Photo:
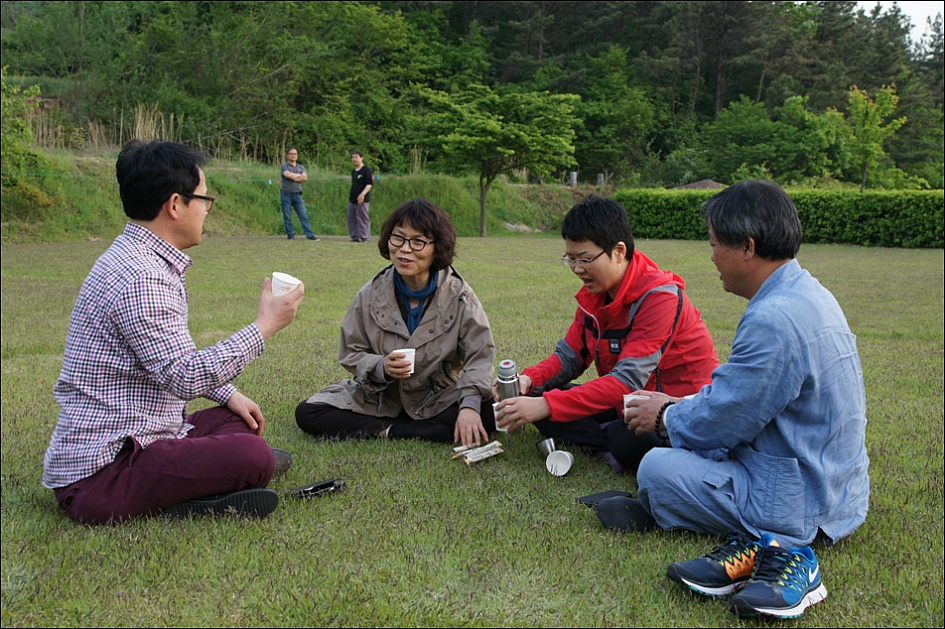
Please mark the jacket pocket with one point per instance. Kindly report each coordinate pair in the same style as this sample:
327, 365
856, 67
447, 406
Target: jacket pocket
776, 499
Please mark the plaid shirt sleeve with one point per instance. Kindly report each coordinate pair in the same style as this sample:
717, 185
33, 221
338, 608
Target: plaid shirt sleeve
152, 319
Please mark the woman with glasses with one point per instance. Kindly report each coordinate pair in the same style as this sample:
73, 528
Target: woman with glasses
418, 302
633, 321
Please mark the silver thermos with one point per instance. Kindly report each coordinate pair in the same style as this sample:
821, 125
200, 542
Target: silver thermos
508, 380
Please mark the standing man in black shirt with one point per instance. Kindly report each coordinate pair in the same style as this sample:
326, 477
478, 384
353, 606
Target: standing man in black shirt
359, 199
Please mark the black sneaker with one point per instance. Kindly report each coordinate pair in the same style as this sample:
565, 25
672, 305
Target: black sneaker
283, 461
722, 571
250, 503
625, 514
313, 238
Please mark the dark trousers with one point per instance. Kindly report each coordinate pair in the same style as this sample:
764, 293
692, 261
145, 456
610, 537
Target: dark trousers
220, 454
359, 221
328, 421
601, 433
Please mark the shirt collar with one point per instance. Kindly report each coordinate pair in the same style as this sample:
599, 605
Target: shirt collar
177, 259
782, 273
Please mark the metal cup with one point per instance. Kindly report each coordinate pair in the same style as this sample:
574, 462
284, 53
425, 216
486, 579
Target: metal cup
546, 447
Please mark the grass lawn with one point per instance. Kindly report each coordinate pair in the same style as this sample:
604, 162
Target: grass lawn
417, 538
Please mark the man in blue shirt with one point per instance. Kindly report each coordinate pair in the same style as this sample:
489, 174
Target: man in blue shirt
773, 450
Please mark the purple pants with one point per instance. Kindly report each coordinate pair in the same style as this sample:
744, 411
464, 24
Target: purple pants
359, 221
220, 454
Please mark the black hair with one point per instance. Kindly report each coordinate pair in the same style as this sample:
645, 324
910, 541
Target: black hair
755, 209
149, 173
427, 219
602, 221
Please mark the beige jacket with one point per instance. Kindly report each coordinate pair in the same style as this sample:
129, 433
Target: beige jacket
455, 351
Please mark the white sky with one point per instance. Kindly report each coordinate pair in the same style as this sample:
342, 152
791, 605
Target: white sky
917, 12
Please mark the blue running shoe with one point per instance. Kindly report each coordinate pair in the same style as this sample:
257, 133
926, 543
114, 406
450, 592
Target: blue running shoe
722, 571
784, 584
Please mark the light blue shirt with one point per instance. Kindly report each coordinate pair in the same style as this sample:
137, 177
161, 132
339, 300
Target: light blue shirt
790, 407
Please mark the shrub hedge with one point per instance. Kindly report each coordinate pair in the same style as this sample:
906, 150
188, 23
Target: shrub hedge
909, 218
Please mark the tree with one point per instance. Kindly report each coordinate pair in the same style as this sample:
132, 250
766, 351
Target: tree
495, 133
743, 136
868, 127
917, 148
813, 143
794, 145
617, 116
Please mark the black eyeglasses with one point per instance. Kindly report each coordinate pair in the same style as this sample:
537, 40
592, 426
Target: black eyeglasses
208, 201
416, 244
573, 263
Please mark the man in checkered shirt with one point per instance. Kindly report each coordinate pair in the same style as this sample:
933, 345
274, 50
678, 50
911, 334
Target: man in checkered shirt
124, 446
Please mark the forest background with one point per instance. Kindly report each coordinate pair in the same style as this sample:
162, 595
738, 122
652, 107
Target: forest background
629, 94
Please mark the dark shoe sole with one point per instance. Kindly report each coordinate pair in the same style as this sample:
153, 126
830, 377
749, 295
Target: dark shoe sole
747, 608
716, 590
250, 503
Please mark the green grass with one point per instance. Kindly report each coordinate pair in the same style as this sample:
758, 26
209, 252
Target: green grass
417, 538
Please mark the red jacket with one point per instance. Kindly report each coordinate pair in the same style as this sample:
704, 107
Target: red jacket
650, 337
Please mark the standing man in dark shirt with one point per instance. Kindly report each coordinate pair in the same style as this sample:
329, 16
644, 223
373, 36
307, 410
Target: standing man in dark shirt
359, 199
293, 175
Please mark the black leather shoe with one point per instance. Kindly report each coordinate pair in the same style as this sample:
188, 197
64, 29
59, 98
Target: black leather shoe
625, 514
248, 503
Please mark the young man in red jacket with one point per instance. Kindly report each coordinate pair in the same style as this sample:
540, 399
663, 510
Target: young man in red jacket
633, 321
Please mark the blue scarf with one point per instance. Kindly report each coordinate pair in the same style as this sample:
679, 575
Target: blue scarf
415, 314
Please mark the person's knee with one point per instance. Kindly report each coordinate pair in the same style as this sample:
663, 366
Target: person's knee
657, 467
303, 416
311, 418
259, 459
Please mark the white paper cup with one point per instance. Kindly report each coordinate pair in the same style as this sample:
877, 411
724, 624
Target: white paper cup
411, 353
559, 462
283, 283
629, 396
495, 411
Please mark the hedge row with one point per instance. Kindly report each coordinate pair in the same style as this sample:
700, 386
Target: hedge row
909, 219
